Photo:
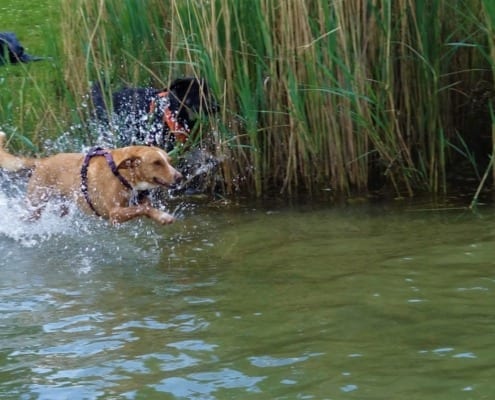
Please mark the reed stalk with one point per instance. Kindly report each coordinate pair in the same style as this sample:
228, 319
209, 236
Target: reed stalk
347, 95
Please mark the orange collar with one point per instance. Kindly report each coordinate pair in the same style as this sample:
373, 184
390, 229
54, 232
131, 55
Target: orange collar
180, 131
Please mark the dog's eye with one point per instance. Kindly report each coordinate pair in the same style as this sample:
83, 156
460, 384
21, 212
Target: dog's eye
157, 163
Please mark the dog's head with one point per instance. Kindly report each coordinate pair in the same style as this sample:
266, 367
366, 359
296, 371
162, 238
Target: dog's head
199, 168
190, 97
148, 168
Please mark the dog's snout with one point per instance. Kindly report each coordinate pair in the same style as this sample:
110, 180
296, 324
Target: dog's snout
178, 177
214, 108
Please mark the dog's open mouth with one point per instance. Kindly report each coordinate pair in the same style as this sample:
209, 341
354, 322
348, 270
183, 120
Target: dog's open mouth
163, 183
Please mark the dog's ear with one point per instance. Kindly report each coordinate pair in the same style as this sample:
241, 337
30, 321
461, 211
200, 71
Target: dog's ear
130, 163
186, 86
182, 83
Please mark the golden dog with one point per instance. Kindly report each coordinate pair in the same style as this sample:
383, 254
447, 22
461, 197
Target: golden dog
102, 182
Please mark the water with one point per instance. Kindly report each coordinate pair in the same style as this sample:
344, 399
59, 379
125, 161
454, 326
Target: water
249, 302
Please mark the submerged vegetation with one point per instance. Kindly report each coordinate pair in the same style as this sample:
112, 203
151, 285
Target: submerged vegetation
348, 96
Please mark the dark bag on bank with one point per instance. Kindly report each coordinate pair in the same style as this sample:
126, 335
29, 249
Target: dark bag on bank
11, 50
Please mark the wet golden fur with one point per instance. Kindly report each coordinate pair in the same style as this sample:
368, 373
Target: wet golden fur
59, 176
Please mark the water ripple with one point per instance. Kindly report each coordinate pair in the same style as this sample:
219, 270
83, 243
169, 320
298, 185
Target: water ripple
86, 348
204, 385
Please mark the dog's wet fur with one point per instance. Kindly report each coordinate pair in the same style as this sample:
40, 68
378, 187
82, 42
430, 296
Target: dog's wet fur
131, 115
100, 191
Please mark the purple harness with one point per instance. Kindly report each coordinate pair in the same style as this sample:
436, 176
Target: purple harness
98, 151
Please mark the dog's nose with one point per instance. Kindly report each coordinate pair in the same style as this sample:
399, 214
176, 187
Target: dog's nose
213, 107
178, 177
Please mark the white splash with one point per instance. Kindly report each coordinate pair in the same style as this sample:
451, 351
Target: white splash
15, 222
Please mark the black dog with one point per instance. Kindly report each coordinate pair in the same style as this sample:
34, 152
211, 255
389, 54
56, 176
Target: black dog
155, 117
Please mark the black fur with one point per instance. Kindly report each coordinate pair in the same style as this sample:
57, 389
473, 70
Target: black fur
130, 110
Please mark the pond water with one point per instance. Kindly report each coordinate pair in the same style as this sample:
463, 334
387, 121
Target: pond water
249, 302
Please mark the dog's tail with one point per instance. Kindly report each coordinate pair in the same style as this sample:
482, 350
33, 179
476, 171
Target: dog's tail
13, 163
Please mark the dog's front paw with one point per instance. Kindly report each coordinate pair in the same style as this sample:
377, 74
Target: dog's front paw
163, 218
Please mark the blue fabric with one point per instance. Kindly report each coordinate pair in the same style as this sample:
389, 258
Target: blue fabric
12, 51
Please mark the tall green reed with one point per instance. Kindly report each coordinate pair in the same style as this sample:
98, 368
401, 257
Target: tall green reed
341, 96
489, 20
